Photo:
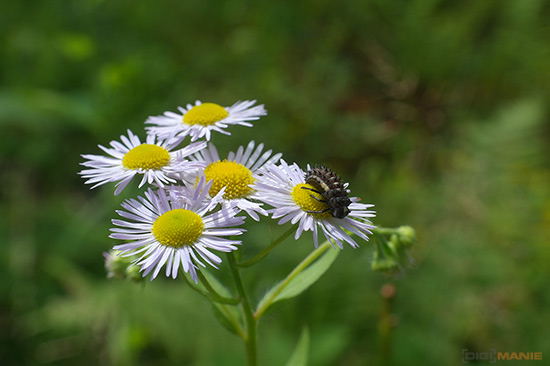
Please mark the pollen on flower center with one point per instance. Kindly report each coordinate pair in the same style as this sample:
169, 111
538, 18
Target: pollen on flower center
235, 177
178, 227
302, 197
205, 114
146, 156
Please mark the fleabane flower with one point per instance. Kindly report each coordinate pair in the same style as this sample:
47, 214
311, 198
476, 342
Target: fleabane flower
284, 188
235, 174
153, 159
176, 232
199, 120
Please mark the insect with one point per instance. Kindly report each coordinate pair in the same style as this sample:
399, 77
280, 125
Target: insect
328, 184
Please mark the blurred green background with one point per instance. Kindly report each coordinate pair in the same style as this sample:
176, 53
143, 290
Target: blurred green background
435, 111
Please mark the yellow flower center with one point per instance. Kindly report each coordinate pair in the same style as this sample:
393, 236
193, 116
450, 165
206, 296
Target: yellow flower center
205, 114
146, 156
176, 228
234, 176
302, 197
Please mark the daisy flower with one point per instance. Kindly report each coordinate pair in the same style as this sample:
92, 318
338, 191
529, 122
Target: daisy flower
283, 186
235, 174
154, 160
176, 232
200, 119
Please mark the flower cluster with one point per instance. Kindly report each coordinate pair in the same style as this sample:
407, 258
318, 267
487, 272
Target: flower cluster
197, 200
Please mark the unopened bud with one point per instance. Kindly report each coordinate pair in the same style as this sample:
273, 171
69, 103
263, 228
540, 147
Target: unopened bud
120, 267
392, 255
133, 274
385, 258
407, 236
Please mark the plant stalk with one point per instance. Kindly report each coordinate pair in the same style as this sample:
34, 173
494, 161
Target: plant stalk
250, 321
299, 268
258, 257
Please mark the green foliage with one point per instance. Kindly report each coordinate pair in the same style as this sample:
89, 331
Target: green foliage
435, 111
299, 356
301, 278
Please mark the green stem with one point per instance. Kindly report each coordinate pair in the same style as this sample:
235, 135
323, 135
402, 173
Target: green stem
303, 265
385, 323
384, 231
229, 315
210, 294
258, 257
379, 241
214, 295
250, 321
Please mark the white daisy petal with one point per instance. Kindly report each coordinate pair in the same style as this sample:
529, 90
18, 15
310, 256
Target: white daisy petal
161, 244
162, 261
169, 265
235, 175
154, 160
223, 232
199, 120
220, 244
176, 264
209, 257
280, 187
185, 259
249, 149
195, 259
315, 236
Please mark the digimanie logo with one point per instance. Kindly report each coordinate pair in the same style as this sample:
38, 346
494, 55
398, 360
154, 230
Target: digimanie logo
493, 356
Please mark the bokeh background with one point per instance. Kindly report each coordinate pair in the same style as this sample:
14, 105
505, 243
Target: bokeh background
436, 111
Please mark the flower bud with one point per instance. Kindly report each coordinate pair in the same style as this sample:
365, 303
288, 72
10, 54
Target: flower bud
407, 236
385, 257
392, 255
120, 267
386, 264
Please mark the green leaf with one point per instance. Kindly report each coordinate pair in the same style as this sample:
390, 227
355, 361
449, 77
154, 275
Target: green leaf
300, 354
229, 316
309, 276
216, 284
295, 284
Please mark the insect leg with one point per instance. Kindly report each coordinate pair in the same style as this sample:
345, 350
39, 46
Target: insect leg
322, 211
311, 189
316, 191
312, 196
